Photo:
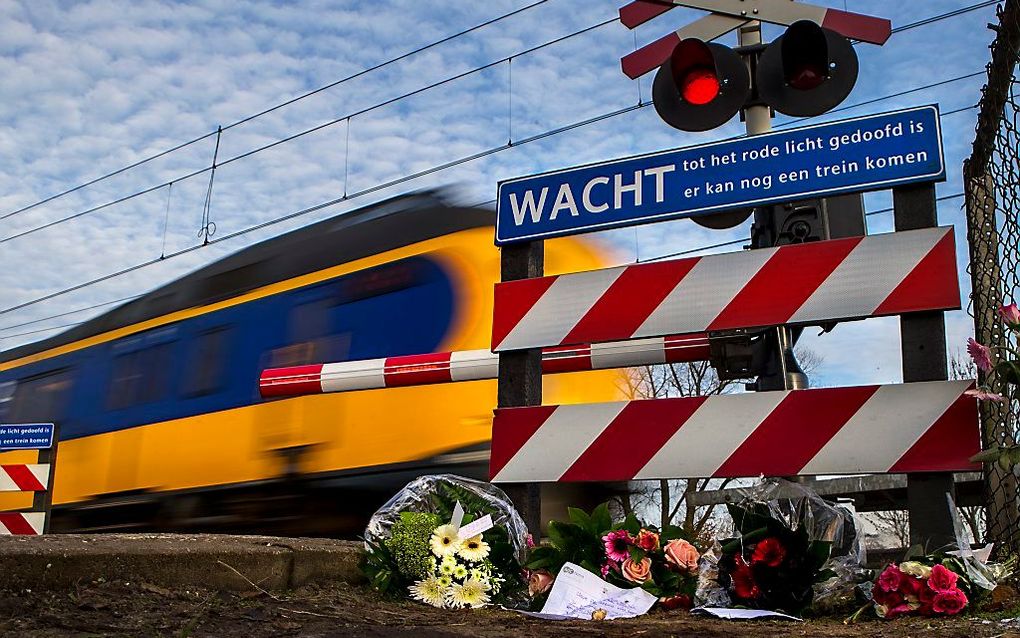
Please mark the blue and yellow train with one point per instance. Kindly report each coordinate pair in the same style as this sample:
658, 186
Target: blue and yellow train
160, 419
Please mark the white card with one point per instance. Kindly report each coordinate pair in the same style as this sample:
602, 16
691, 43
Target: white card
577, 592
458, 515
476, 527
741, 614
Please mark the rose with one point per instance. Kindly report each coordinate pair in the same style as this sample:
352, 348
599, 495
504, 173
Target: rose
949, 602
927, 599
682, 555
942, 579
769, 551
890, 578
647, 540
1011, 315
637, 571
680, 601
539, 582
911, 588
888, 599
898, 610
915, 569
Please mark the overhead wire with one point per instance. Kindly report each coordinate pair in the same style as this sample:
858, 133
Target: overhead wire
464, 160
278, 106
388, 102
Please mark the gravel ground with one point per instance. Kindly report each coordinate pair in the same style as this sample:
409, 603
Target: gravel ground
140, 609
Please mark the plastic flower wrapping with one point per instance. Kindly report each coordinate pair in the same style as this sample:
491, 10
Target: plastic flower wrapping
447, 541
791, 550
626, 553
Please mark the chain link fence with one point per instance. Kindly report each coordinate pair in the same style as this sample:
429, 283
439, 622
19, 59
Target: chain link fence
992, 183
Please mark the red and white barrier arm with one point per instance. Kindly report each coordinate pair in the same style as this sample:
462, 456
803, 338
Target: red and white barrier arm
473, 365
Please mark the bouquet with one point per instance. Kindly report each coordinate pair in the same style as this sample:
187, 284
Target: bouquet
628, 553
790, 547
928, 586
447, 541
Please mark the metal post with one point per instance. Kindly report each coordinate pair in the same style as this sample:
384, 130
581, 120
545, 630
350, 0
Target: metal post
783, 371
43, 501
923, 343
520, 373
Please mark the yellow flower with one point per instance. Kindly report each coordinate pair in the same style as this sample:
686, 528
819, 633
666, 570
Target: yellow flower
471, 594
474, 549
459, 572
444, 540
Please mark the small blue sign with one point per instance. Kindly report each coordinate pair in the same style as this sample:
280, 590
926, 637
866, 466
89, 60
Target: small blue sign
26, 436
856, 155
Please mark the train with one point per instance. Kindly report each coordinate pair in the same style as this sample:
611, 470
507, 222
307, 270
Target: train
161, 426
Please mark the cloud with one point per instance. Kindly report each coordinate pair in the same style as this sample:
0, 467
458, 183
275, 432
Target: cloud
92, 86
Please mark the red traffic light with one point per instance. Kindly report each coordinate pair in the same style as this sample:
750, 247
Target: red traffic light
700, 86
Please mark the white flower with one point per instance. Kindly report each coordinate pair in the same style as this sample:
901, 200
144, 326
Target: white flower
474, 549
444, 540
428, 591
470, 594
450, 559
459, 572
445, 581
447, 569
915, 569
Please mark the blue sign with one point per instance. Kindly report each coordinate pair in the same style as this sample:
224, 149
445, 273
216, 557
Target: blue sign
26, 436
861, 154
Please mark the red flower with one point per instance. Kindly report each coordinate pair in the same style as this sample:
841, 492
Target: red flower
890, 579
949, 602
911, 587
942, 579
648, 541
680, 601
898, 610
888, 599
769, 551
926, 597
743, 580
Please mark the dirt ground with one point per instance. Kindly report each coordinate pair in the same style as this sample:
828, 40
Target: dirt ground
139, 609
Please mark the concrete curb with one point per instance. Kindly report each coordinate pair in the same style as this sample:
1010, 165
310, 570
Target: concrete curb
210, 561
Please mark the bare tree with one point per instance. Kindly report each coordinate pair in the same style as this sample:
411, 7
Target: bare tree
669, 498
895, 523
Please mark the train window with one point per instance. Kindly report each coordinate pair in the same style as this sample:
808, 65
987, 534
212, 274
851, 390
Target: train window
140, 376
206, 363
42, 398
6, 394
311, 336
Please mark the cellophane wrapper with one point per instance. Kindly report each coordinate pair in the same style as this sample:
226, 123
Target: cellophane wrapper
795, 505
420, 494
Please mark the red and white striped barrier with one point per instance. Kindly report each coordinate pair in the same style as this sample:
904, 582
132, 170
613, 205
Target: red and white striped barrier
803, 284
913, 427
24, 478
727, 15
472, 365
22, 523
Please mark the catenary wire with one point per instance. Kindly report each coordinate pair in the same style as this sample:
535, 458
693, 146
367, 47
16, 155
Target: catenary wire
923, 22
276, 107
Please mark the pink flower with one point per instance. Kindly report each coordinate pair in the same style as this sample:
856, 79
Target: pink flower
942, 579
890, 579
981, 355
618, 544
982, 394
529, 540
898, 610
539, 582
605, 570
1011, 315
949, 602
637, 571
682, 555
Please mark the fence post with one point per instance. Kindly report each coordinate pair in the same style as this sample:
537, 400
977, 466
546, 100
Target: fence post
923, 345
520, 373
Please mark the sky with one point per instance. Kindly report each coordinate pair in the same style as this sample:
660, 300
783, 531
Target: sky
90, 87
